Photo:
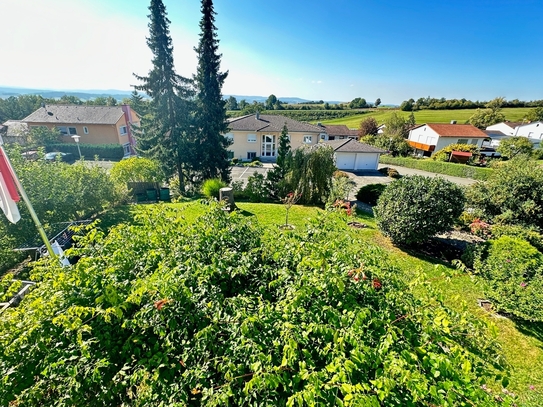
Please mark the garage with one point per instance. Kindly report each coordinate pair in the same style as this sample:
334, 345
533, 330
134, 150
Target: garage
354, 156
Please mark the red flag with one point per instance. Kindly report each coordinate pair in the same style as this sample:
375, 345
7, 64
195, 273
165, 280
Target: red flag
8, 191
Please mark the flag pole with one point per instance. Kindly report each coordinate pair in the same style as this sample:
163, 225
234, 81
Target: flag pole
28, 204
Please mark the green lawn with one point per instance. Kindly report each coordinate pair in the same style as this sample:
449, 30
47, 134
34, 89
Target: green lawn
427, 116
522, 343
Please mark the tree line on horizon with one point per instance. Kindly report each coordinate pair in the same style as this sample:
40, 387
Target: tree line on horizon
429, 103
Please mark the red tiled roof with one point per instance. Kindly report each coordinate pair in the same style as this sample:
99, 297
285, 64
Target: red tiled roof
457, 130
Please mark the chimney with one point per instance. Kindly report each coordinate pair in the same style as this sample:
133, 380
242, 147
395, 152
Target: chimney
453, 121
257, 115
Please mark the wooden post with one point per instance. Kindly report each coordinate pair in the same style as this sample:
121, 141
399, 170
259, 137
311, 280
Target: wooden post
227, 194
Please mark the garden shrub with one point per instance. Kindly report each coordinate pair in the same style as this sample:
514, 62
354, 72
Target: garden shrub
136, 169
219, 313
341, 189
413, 209
238, 188
103, 151
529, 234
513, 273
257, 188
427, 164
444, 153
59, 192
340, 174
211, 187
370, 193
512, 195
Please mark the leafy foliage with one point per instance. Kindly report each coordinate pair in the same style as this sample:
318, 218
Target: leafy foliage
136, 169
513, 271
217, 313
438, 167
482, 118
58, 192
102, 151
211, 187
276, 175
535, 115
257, 188
514, 146
444, 153
413, 209
310, 173
513, 194
369, 127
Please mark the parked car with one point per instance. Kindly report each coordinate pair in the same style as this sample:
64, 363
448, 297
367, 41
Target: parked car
65, 157
489, 153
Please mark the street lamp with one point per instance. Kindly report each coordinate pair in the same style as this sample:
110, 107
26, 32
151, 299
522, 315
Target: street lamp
76, 139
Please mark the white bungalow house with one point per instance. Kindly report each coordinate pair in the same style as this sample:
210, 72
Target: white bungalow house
429, 138
531, 130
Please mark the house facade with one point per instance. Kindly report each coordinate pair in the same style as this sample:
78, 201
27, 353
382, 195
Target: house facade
533, 131
93, 124
257, 136
429, 138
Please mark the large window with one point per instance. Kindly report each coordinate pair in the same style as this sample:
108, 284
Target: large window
308, 139
251, 155
463, 141
126, 148
67, 131
268, 146
251, 138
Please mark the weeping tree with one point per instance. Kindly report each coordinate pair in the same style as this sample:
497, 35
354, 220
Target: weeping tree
164, 132
310, 172
211, 154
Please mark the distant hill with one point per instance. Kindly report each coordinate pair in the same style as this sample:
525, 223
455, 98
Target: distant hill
86, 94
6, 92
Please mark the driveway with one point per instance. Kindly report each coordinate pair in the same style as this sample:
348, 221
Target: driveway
243, 173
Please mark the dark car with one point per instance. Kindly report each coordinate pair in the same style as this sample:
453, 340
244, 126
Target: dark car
489, 153
65, 157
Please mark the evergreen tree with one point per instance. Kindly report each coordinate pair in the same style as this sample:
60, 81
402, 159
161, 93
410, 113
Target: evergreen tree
210, 118
277, 175
137, 103
164, 131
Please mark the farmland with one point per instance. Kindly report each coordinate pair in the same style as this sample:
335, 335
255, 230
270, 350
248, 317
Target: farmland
425, 116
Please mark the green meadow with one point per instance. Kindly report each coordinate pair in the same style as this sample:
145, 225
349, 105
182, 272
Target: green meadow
426, 116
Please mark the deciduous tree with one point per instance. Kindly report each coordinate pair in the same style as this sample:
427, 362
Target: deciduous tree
368, 127
482, 118
514, 146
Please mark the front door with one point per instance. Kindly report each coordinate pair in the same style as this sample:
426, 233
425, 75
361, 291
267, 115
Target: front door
268, 146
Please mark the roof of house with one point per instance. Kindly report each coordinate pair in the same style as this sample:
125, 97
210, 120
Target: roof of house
456, 130
513, 124
495, 134
15, 128
73, 114
269, 122
338, 130
352, 146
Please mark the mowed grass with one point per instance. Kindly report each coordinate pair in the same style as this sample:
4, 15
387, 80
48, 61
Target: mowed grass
426, 116
522, 343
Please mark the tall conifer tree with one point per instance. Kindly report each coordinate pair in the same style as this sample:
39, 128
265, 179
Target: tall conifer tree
164, 130
211, 125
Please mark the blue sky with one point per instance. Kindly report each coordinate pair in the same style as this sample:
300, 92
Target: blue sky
319, 49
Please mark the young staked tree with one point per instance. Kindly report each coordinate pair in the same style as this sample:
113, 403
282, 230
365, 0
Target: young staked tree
164, 130
211, 146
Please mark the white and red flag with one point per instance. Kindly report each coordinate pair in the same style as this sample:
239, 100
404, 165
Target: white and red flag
8, 191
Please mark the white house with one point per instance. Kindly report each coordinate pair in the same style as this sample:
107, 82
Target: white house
429, 138
507, 128
532, 130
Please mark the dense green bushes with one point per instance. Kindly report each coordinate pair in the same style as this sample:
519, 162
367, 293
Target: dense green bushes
413, 209
455, 170
89, 151
59, 193
513, 273
513, 194
211, 187
218, 313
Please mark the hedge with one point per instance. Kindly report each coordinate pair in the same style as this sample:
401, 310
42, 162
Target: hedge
452, 169
103, 151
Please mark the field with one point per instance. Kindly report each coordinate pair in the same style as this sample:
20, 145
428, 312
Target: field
522, 343
426, 116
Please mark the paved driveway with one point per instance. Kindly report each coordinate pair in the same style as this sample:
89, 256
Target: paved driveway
242, 173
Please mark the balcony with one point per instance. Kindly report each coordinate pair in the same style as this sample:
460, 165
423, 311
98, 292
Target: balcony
421, 146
